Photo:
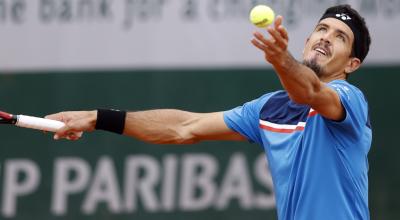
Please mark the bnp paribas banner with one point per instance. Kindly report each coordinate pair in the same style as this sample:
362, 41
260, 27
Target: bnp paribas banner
150, 187
80, 34
106, 176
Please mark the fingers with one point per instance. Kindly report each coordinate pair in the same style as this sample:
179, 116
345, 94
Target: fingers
284, 33
76, 122
280, 28
72, 130
269, 45
74, 136
278, 21
278, 40
259, 45
57, 116
259, 41
62, 132
68, 133
71, 136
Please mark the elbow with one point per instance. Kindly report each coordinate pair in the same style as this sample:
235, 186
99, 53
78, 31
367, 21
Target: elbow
179, 136
178, 141
185, 133
186, 137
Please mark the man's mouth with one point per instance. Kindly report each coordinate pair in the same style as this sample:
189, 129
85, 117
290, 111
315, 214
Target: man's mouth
322, 50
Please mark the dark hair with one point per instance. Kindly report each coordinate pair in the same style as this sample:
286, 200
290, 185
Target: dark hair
362, 39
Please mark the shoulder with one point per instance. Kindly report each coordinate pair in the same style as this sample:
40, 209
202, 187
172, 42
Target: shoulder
260, 101
346, 90
267, 96
251, 108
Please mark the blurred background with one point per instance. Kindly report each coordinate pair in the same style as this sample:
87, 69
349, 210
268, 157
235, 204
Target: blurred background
194, 55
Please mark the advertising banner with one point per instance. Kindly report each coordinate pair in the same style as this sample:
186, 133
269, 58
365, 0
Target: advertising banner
157, 34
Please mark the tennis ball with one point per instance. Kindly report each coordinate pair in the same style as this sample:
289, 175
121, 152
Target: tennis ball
262, 16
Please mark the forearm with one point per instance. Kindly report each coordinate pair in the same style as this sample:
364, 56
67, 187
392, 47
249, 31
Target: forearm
298, 80
166, 126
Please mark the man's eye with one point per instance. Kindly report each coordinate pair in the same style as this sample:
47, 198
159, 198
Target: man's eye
342, 38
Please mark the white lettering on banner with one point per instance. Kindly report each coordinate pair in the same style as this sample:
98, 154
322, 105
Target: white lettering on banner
141, 176
13, 187
198, 174
168, 188
236, 184
137, 34
262, 174
186, 183
63, 185
104, 188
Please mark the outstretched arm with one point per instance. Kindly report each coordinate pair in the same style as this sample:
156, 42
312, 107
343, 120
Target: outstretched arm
171, 126
164, 126
301, 83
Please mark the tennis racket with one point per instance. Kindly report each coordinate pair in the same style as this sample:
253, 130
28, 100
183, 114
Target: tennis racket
25, 121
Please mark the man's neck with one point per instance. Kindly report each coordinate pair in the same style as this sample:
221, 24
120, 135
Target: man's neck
331, 77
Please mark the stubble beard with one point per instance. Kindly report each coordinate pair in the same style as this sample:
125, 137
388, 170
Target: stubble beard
312, 64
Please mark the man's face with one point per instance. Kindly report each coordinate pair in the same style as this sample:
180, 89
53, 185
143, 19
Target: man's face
329, 47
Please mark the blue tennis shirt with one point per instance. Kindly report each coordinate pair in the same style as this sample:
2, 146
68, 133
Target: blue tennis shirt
319, 167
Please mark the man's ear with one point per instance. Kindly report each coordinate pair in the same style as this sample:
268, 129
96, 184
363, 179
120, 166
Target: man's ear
353, 64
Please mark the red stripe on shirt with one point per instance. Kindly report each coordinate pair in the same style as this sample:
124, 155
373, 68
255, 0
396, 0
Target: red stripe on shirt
313, 113
281, 130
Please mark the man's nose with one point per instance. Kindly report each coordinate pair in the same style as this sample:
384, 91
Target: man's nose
326, 38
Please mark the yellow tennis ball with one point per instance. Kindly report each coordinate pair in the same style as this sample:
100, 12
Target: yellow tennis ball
262, 16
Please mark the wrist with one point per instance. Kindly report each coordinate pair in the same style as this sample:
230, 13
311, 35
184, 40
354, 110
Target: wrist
92, 118
110, 120
286, 63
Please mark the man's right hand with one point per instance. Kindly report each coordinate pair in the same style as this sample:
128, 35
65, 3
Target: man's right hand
76, 122
159, 126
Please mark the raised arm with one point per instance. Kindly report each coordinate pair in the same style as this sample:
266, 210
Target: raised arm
164, 126
301, 82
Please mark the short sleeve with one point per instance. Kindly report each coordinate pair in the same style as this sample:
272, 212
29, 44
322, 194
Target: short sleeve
356, 108
245, 119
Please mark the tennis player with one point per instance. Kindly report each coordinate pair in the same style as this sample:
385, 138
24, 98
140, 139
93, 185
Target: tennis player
316, 133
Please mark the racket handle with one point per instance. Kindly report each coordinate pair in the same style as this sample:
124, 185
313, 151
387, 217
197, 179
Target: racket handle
38, 123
